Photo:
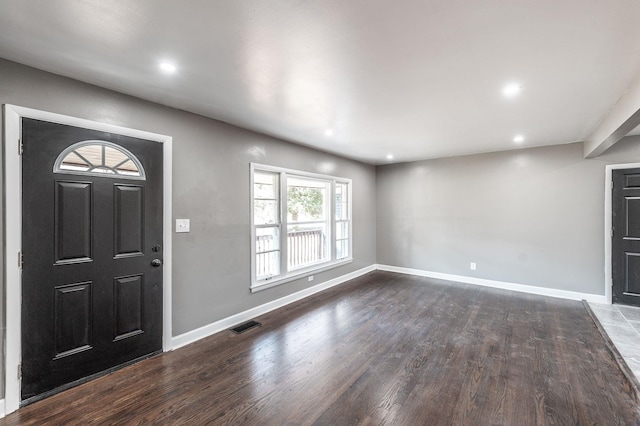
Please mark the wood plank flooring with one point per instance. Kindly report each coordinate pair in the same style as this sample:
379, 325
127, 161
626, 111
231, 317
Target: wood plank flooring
382, 349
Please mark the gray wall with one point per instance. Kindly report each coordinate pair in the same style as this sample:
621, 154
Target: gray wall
211, 187
530, 216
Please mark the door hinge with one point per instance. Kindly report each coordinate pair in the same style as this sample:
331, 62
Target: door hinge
20, 259
611, 184
20, 147
20, 371
611, 232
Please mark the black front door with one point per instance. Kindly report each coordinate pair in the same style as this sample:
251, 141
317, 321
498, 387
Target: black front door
625, 247
91, 238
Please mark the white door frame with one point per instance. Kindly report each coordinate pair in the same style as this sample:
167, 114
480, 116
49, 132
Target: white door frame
608, 224
13, 231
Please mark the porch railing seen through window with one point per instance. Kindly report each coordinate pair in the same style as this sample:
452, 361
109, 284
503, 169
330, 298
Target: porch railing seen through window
304, 248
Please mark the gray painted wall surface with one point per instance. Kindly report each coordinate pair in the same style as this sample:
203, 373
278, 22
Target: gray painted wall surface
530, 216
211, 187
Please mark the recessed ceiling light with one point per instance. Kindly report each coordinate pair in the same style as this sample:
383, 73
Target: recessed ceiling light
518, 138
328, 132
511, 90
389, 157
168, 67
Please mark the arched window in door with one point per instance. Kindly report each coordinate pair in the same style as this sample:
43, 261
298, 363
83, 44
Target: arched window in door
102, 158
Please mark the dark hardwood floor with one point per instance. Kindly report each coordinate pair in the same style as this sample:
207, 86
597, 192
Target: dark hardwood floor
382, 349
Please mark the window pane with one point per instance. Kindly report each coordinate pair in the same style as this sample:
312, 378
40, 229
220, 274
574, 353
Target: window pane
342, 230
342, 201
93, 153
113, 157
267, 239
267, 265
342, 249
267, 252
104, 158
306, 199
73, 162
265, 186
128, 168
307, 244
265, 212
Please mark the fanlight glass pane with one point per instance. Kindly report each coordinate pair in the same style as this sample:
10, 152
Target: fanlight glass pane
99, 157
92, 153
74, 162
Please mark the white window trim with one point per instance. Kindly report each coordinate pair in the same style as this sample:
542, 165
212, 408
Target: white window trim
286, 275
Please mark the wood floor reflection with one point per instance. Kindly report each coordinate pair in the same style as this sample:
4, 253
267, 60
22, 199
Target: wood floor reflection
382, 349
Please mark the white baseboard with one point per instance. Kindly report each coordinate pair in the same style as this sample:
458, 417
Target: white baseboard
225, 323
543, 291
3, 411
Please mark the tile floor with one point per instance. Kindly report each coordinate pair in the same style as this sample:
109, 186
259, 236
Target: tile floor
622, 324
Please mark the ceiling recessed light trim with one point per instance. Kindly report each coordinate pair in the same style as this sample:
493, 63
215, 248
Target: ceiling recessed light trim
518, 138
167, 67
328, 133
512, 90
389, 156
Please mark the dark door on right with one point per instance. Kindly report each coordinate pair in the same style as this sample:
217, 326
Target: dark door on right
625, 253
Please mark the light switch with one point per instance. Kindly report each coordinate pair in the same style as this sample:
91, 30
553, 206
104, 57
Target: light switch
182, 225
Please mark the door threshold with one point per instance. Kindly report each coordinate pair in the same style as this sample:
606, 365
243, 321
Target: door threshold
84, 380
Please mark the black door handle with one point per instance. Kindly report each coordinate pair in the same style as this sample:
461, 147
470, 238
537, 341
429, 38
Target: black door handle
156, 262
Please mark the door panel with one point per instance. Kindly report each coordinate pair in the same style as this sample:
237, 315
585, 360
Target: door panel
72, 319
73, 221
626, 236
129, 305
128, 219
91, 299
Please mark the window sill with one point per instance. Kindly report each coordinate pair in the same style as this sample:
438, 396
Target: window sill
296, 275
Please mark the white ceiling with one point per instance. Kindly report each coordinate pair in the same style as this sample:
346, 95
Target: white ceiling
414, 78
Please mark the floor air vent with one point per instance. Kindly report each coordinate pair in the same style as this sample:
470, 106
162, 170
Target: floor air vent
245, 326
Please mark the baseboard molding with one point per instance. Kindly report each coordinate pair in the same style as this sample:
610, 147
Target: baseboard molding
226, 323
3, 411
543, 291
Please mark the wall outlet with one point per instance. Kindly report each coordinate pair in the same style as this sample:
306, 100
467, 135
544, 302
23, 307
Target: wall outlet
310, 278
473, 266
182, 225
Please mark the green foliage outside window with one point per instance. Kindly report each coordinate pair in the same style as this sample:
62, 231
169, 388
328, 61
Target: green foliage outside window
308, 202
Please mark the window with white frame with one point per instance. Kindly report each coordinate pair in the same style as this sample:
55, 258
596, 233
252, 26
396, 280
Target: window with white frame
301, 222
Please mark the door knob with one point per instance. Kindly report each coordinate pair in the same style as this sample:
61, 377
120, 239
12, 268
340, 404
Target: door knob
156, 262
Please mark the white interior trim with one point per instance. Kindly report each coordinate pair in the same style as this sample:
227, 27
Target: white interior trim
13, 231
228, 322
522, 288
608, 274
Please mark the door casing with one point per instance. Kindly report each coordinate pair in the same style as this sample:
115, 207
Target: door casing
13, 230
